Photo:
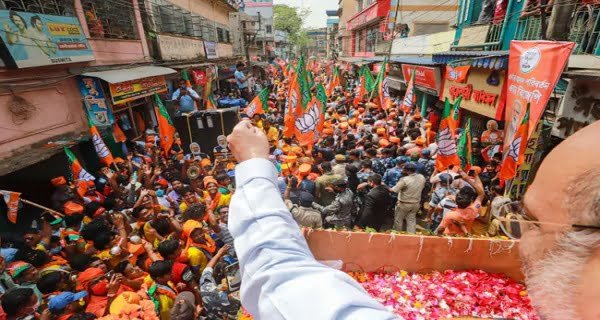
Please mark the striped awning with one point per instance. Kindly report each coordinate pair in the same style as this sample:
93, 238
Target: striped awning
495, 60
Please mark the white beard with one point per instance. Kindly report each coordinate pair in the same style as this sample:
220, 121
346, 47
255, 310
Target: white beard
553, 282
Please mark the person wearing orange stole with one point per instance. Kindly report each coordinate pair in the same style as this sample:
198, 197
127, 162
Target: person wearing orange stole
212, 196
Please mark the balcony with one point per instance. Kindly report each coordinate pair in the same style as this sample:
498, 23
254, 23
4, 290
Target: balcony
520, 24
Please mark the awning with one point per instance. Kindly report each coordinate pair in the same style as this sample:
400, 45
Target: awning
482, 59
356, 60
191, 65
586, 74
122, 75
423, 61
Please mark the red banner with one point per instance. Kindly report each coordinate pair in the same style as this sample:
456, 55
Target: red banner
199, 77
424, 76
534, 68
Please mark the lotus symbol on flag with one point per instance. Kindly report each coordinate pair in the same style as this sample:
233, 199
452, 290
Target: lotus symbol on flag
513, 151
85, 176
446, 144
308, 121
100, 147
408, 99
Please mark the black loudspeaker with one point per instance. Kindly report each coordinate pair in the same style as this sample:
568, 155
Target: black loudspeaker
204, 127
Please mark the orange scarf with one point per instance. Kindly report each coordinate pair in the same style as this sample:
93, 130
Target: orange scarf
214, 203
210, 246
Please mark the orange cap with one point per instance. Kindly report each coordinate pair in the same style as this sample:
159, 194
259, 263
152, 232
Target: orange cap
327, 131
290, 158
59, 181
394, 140
384, 143
352, 121
420, 141
361, 109
297, 150
477, 169
417, 116
304, 169
380, 130
204, 162
344, 126
427, 125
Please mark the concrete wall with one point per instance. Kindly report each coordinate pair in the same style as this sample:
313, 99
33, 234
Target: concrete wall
226, 50
206, 8
427, 16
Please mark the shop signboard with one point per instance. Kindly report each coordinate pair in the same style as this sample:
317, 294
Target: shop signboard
179, 48
534, 68
425, 77
94, 101
211, 49
375, 10
481, 91
131, 90
33, 39
579, 107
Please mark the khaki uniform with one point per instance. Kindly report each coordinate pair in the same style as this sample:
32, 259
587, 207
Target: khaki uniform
409, 190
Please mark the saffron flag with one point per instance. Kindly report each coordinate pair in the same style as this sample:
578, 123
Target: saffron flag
516, 149
384, 96
79, 173
101, 149
211, 104
185, 76
166, 130
335, 81
118, 134
12, 204
464, 150
410, 98
307, 123
361, 88
445, 140
258, 105
292, 100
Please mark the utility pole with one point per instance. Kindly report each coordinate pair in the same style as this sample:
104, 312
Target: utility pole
560, 20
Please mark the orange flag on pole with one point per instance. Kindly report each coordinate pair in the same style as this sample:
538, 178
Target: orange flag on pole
293, 101
79, 173
516, 150
101, 149
447, 155
12, 204
259, 104
410, 98
166, 130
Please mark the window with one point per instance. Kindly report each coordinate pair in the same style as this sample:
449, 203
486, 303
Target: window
259, 43
220, 35
108, 19
371, 39
269, 29
227, 36
52, 7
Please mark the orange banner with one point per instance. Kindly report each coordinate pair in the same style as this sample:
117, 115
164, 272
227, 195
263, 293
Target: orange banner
534, 68
457, 74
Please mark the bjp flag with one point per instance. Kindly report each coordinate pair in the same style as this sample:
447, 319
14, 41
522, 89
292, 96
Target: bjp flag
101, 150
211, 104
78, 172
447, 155
464, 150
516, 150
293, 100
258, 105
12, 204
410, 98
166, 130
335, 81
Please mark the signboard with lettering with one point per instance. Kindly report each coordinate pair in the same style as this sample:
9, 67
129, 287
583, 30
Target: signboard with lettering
130, 90
179, 48
94, 101
32, 40
481, 92
211, 49
375, 10
425, 77
579, 107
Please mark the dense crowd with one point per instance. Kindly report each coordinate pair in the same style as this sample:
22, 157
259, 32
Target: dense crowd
148, 240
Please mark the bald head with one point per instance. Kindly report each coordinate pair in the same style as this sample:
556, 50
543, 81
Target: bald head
567, 184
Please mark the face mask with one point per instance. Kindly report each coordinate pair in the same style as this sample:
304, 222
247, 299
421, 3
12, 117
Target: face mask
100, 289
160, 192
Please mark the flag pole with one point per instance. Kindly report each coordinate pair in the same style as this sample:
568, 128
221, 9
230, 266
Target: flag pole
31, 203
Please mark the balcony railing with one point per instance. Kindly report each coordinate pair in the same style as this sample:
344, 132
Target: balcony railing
585, 27
529, 28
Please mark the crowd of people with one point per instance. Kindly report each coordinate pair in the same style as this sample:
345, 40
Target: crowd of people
147, 240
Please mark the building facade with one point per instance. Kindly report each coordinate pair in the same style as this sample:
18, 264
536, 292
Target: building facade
333, 22
262, 10
317, 42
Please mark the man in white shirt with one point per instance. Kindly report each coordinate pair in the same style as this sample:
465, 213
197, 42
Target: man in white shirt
280, 276
186, 98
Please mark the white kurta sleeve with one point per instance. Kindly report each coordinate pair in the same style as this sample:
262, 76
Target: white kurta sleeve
280, 277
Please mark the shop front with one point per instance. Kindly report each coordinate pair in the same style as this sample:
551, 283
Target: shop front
427, 83
126, 97
482, 92
365, 27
